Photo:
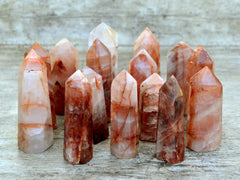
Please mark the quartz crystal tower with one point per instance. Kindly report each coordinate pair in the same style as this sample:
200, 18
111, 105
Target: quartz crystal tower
64, 62
124, 116
99, 116
35, 131
195, 63
204, 124
78, 130
176, 65
102, 57
99, 59
170, 131
46, 58
141, 67
149, 93
147, 41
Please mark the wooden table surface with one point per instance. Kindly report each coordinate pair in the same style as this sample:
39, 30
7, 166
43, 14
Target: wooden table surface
215, 26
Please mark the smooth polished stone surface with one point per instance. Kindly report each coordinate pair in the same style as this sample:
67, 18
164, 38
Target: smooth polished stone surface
99, 59
35, 131
176, 65
46, 58
124, 116
64, 62
170, 132
147, 41
78, 129
204, 124
99, 116
148, 107
141, 67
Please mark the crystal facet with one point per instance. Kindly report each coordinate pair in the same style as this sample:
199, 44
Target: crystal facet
46, 58
141, 67
204, 124
108, 37
176, 65
99, 117
78, 129
99, 59
124, 116
195, 63
170, 131
64, 62
147, 41
149, 93
35, 131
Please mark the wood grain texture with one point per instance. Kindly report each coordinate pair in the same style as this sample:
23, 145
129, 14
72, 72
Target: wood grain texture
212, 24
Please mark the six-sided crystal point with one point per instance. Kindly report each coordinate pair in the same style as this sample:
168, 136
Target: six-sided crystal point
99, 116
99, 59
64, 62
204, 124
35, 131
46, 58
170, 131
141, 67
176, 65
124, 116
147, 41
148, 107
108, 37
78, 130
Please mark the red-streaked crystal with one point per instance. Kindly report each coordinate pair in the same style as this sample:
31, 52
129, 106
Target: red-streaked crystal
64, 62
78, 129
35, 131
149, 96
147, 41
204, 124
176, 65
170, 132
124, 116
99, 116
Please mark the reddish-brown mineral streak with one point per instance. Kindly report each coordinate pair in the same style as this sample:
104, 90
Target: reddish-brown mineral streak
64, 62
99, 59
78, 130
147, 41
195, 63
99, 116
204, 124
124, 116
149, 92
46, 58
176, 65
141, 67
170, 132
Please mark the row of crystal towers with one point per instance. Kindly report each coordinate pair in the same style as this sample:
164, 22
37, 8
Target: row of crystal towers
102, 57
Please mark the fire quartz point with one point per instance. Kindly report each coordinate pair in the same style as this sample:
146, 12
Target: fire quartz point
46, 58
78, 130
99, 116
109, 38
124, 116
147, 41
99, 59
35, 131
204, 124
176, 65
149, 93
170, 131
141, 67
64, 62
198, 60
